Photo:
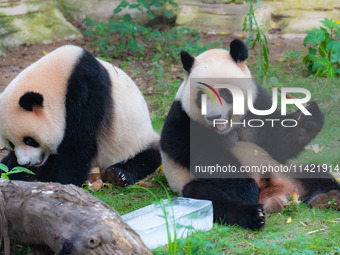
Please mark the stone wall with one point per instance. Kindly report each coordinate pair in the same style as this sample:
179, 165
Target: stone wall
287, 16
30, 21
33, 21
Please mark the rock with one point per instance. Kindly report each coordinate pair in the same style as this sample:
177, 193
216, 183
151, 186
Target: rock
210, 16
299, 16
33, 21
100, 10
289, 16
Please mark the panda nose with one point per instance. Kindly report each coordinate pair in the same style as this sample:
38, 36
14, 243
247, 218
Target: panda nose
212, 118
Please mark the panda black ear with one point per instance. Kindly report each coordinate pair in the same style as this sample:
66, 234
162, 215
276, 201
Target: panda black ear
238, 50
30, 99
187, 61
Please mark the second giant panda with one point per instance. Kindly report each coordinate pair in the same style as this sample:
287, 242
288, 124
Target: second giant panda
235, 200
69, 112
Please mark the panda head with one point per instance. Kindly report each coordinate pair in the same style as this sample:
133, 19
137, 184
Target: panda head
226, 67
32, 107
26, 144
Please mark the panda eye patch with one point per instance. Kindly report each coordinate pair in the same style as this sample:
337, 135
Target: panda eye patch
31, 142
226, 95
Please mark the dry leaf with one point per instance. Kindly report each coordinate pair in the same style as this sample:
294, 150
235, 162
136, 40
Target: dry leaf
160, 169
314, 147
289, 220
295, 197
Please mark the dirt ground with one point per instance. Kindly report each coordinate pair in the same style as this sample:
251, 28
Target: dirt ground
18, 58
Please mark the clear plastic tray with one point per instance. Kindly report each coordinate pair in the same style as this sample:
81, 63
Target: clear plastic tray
188, 214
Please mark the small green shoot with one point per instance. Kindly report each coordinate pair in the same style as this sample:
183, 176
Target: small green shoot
292, 207
5, 172
333, 203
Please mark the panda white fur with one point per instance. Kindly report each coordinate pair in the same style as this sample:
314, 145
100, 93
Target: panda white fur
235, 200
69, 112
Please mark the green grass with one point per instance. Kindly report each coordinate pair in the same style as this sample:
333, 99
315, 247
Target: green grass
128, 199
277, 238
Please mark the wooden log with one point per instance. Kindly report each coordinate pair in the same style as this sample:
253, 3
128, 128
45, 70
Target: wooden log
63, 219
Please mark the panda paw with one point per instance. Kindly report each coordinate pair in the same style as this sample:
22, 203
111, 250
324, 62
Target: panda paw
250, 216
310, 125
253, 217
117, 176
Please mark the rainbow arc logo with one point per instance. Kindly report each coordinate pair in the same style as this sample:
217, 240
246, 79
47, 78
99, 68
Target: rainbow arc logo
209, 93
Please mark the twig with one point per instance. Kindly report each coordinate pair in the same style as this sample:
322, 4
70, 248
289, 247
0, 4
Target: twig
321, 229
303, 223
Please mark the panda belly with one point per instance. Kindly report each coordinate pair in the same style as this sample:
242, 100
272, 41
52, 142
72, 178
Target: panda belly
129, 130
128, 138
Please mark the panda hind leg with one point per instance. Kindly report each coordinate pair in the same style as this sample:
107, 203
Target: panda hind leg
331, 199
134, 169
226, 209
321, 192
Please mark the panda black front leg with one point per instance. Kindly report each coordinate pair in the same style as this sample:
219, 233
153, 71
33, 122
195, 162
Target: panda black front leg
309, 125
10, 160
286, 142
227, 210
66, 168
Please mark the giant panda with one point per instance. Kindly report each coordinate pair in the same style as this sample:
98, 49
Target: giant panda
69, 112
235, 200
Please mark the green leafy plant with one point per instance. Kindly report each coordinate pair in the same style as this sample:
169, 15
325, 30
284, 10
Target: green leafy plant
5, 172
145, 6
257, 38
323, 58
333, 203
101, 34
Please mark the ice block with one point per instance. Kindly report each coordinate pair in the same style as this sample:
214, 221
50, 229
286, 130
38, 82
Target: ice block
188, 215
